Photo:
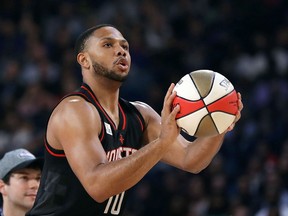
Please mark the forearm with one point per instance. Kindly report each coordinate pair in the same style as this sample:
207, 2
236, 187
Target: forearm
114, 177
200, 153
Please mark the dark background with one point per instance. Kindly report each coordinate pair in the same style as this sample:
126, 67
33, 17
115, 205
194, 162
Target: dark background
246, 41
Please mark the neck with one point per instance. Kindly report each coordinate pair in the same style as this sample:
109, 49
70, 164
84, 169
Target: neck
106, 91
108, 96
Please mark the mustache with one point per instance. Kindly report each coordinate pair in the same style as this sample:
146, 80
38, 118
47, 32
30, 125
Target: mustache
121, 58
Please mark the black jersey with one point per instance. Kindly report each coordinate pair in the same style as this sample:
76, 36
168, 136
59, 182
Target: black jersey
60, 191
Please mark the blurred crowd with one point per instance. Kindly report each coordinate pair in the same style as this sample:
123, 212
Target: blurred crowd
246, 41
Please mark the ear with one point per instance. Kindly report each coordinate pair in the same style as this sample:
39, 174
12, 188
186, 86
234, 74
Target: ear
83, 60
2, 187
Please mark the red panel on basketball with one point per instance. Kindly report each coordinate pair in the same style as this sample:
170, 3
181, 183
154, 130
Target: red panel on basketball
208, 103
227, 104
188, 106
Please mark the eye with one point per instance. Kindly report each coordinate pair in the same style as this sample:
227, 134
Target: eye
108, 45
24, 178
126, 47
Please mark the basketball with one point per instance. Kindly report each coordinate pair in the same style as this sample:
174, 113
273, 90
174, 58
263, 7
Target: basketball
208, 103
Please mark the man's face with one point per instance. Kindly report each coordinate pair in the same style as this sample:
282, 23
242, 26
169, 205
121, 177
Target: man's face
22, 188
109, 54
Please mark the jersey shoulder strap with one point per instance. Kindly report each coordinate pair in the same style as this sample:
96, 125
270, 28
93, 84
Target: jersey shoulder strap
136, 112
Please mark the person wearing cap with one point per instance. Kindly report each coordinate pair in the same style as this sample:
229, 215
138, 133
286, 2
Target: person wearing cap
20, 173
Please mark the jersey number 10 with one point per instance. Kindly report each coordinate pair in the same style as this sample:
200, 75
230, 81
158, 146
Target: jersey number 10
114, 204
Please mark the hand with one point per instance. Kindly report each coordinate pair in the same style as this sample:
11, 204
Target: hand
169, 127
238, 114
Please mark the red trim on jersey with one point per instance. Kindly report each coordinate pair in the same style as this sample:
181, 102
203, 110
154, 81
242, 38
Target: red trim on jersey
124, 117
102, 132
99, 105
51, 152
142, 126
102, 129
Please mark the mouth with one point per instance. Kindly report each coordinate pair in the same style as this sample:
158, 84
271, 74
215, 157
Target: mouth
31, 195
122, 63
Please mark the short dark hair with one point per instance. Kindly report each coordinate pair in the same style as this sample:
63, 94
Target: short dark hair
81, 40
6, 179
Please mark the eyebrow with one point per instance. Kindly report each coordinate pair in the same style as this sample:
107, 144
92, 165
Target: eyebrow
24, 172
110, 38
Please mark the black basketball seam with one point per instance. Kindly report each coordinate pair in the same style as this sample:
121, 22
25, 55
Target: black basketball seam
213, 122
208, 114
200, 123
218, 100
205, 106
224, 112
191, 101
190, 113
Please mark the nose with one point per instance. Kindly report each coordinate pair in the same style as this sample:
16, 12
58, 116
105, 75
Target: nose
121, 51
34, 183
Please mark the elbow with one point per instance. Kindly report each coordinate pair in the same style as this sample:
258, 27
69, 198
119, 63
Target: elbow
200, 168
197, 171
99, 199
196, 168
99, 194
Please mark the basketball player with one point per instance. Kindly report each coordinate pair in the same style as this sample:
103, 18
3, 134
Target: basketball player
99, 145
20, 173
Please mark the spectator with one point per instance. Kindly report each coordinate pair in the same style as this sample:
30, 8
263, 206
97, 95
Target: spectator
20, 173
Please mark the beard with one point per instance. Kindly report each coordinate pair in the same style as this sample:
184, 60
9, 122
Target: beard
110, 74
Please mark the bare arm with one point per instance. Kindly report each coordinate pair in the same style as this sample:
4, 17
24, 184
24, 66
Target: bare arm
189, 156
75, 125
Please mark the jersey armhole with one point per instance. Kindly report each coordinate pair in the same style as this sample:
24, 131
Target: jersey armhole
52, 151
137, 113
61, 153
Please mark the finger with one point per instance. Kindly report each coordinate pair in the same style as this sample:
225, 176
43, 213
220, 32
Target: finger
169, 91
239, 95
166, 109
175, 110
169, 99
238, 114
231, 127
240, 104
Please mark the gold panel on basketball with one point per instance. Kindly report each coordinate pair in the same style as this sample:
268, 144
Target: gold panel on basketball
208, 103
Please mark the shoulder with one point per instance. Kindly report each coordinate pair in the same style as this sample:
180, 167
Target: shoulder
144, 108
73, 109
74, 105
141, 105
148, 113
152, 121
73, 117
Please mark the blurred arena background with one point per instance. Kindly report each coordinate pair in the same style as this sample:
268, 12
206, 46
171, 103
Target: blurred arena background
247, 41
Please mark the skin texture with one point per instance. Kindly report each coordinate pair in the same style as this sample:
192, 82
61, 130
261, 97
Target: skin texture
20, 193
105, 63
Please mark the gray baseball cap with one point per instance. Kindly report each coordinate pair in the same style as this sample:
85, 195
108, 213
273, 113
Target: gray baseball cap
18, 159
